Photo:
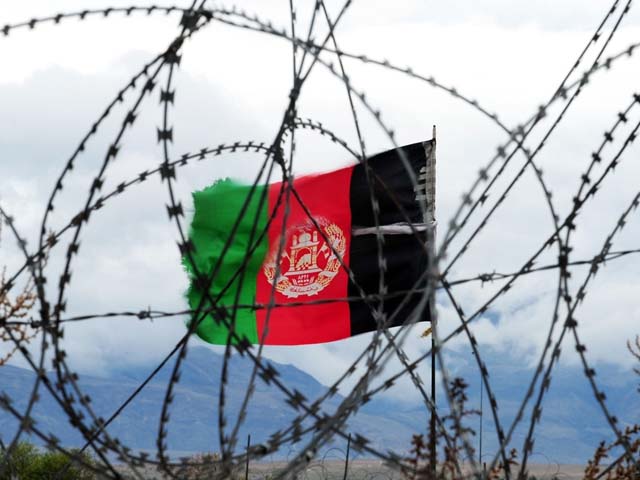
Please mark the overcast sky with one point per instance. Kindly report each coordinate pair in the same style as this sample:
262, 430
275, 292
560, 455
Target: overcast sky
232, 85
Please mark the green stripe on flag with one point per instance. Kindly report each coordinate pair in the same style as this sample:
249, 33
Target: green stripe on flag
216, 210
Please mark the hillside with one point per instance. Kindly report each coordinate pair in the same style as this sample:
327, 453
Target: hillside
571, 426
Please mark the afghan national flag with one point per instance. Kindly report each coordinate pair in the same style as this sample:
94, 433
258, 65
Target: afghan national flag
329, 254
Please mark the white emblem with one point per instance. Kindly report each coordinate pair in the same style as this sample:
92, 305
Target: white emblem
307, 264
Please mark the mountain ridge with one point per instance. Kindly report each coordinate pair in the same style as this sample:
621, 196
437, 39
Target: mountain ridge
571, 426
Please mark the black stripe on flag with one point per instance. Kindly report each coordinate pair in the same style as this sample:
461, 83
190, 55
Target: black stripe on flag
404, 254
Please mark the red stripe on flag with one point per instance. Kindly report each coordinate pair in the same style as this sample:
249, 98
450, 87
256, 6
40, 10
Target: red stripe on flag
309, 268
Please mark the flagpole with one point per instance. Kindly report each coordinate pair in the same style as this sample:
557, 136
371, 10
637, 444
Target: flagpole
430, 191
431, 198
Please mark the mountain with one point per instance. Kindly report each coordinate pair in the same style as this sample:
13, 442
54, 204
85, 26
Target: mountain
569, 432
572, 423
194, 418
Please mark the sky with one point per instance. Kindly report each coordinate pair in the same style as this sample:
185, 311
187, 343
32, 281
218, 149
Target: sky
233, 85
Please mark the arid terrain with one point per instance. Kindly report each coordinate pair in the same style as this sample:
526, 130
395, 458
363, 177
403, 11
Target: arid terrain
376, 470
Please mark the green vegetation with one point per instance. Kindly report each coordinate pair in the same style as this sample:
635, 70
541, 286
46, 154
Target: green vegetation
26, 462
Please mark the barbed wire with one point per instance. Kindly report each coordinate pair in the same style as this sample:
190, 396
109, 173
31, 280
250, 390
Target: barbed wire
315, 422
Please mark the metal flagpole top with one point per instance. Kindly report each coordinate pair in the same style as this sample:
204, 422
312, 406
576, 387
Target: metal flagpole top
430, 180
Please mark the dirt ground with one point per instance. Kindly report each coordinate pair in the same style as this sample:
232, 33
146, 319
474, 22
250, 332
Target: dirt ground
376, 470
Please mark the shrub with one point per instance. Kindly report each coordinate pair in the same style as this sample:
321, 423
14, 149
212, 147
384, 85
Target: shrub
26, 462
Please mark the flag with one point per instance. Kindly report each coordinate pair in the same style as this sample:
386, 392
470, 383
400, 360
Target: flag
303, 281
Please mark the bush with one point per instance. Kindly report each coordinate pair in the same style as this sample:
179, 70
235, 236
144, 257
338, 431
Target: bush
28, 463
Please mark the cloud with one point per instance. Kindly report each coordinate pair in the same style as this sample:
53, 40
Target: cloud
233, 86
544, 15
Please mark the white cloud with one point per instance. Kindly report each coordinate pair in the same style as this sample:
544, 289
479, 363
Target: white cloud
233, 85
